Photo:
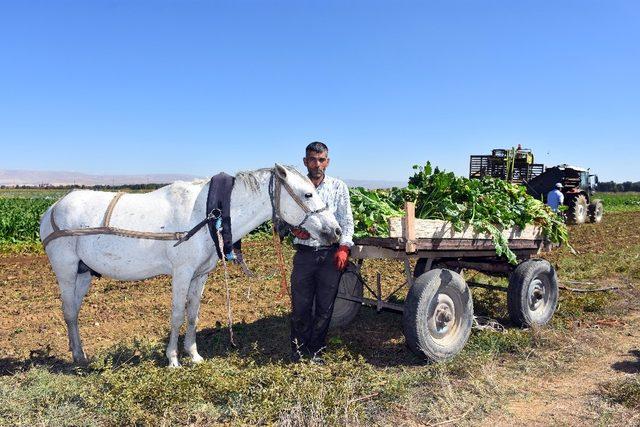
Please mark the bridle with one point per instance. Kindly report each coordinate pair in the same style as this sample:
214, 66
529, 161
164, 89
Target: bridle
276, 183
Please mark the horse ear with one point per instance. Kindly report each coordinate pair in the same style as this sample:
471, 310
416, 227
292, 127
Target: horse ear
280, 171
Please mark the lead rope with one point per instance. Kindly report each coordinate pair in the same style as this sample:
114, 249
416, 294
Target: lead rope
284, 288
226, 283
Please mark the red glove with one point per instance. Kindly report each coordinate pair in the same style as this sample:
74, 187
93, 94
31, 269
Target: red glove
341, 257
300, 233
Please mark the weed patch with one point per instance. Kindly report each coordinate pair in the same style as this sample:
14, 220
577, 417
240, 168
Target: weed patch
625, 392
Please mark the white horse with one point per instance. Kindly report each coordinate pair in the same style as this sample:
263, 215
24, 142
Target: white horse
173, 208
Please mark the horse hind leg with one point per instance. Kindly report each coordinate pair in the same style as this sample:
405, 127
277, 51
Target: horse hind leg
180, 281
73, 288
193, 307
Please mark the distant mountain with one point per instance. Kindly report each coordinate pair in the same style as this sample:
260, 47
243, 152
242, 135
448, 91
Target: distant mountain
22, 177
34, 178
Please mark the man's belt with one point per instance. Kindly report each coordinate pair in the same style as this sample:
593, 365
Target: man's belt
307, 248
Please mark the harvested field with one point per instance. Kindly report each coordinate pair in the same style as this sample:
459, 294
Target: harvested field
371, 375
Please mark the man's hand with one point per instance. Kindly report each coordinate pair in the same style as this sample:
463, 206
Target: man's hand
341, 257
300, 233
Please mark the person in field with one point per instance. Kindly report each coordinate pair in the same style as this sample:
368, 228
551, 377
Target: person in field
317, 269
555, 198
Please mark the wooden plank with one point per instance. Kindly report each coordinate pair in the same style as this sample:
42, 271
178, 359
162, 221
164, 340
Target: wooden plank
444, 244
433, 228
408, 229
470, 244
359, 251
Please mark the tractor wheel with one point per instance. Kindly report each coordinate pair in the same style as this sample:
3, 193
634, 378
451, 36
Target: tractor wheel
438, 315
532, 296
351, 286
577, 213
596, 209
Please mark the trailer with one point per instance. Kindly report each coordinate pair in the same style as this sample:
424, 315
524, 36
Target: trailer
438, 308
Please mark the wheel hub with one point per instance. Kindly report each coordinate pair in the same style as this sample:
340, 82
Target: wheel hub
536, 294
445, 318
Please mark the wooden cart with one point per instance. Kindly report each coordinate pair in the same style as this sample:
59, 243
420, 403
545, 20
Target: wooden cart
438, 309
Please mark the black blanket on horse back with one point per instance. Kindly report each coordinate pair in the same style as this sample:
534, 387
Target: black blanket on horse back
219, 198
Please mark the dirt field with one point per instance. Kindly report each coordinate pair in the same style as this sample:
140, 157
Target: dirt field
592, 344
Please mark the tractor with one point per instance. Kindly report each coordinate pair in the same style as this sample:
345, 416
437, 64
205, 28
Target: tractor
578, 187
517, 166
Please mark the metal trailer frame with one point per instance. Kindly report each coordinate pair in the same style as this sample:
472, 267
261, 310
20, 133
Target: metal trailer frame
532, 292
454, 254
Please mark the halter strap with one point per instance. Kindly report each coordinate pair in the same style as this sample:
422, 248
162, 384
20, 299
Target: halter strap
275, 185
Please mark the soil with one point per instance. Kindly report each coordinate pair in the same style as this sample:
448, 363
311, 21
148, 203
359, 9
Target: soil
571, 397
33, 331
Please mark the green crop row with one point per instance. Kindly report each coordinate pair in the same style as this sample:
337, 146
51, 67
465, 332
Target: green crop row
20, 218
619, 202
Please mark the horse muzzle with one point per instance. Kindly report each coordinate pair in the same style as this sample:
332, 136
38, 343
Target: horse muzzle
331, 235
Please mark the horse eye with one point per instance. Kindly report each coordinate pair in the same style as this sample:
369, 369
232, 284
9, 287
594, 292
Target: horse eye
308, 195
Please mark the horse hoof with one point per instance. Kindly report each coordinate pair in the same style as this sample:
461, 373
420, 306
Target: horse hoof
196, 358
173, 363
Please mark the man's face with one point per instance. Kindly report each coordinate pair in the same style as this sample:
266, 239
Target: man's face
316, 164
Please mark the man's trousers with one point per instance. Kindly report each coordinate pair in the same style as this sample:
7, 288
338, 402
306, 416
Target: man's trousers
314, 278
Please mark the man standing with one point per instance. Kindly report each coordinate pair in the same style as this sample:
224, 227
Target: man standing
555, 198
317, 269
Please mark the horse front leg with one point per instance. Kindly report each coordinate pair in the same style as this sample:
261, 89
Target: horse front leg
180, 282
193, 307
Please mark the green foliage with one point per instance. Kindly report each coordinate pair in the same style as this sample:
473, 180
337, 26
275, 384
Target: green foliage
619, 202
20, 218
573, 305
489, 205
512, 341
371, 209
219, 390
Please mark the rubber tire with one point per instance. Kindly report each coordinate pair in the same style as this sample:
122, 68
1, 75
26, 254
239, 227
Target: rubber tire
421, 265
419, 307
577, 213
344, 311
596, 210
521, 279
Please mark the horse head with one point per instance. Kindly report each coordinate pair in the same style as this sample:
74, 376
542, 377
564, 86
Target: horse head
300, 205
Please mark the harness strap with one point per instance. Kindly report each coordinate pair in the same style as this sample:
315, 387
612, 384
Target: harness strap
293, 195
112, 231
213, 215
53, 222
275, 185
112, 205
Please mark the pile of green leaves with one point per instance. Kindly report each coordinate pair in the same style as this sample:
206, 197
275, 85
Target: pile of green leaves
489, 205
371, 210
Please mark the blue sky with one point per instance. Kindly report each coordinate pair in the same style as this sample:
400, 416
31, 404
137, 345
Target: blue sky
204, 86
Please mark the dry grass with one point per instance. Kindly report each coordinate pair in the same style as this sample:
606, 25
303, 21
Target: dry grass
370, 377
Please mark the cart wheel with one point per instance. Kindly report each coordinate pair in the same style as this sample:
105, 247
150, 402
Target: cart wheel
438, 315
344, 310
532, 296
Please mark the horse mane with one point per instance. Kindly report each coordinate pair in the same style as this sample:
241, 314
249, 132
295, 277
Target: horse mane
251, 179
